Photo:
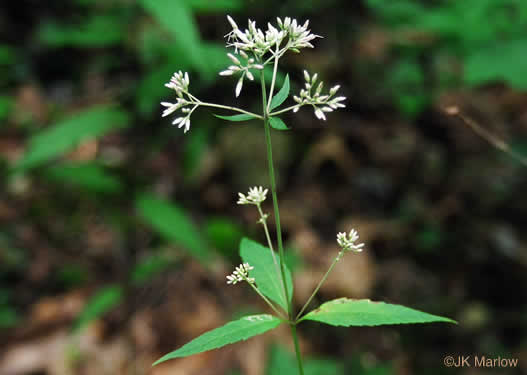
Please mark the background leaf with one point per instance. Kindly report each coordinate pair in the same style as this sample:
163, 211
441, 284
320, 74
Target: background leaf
504, 61
177, 18
264, 271
277, 123
173, 224
66, 134
231, 332
348, 312
97, 31
215, 6
282, 95
88, 175
282, 361
236, 118
102, 302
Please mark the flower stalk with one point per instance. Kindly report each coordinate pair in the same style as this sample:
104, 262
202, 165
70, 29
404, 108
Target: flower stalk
254, 49
272, 180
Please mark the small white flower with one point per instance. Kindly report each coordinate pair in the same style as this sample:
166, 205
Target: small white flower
347, 241
239, 86
240, 274
256, 195
234, 59
320, 115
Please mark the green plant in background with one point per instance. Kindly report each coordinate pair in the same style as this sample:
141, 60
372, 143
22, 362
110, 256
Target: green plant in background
263, 269
441, 44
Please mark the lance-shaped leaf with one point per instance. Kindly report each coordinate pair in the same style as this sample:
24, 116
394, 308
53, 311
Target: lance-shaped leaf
265, 272
66, 134
230, 333
349, 312
237, 118
277, 123
172, 223
281, 96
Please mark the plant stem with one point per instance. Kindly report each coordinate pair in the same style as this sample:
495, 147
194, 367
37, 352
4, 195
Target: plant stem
272, 179
235, 109
319, 285
264, 298
263, 220
297, 349
275, 68
285, 110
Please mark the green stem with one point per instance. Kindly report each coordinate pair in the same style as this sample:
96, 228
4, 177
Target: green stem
264, 298
235, 109
319, 285
275, 68
272, 179
285, 110
297, 349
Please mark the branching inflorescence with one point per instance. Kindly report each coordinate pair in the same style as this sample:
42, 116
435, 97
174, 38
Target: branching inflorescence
253, 51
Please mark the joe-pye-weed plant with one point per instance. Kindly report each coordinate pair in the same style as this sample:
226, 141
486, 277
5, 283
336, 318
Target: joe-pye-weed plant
262, 268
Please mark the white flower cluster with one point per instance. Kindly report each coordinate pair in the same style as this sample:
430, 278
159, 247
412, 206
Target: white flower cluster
347, 241
179, 83
255, 41
256, 195
240, 274
321, 103
253, 44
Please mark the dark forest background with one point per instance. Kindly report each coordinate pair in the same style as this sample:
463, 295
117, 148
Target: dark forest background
117, 230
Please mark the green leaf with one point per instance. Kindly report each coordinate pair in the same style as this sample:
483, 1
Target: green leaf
349, 312
277, 123
102, 302
177, 18
149, 267
237, 118
281, 96
6, 104
173, 224
8, 317
149, 91
97, 31
264, 271
7, 55
225, 235
215, 6
504, 61
230, 333
88, 175
66, 134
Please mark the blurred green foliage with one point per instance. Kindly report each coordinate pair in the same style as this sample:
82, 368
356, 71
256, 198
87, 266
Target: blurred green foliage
59, 138
136, 46
173, 224
282, 361
436, 45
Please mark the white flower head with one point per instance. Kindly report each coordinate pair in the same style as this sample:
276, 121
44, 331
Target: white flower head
347, 241
256, 195
258, 42
240, 274
311, 95
179, 82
